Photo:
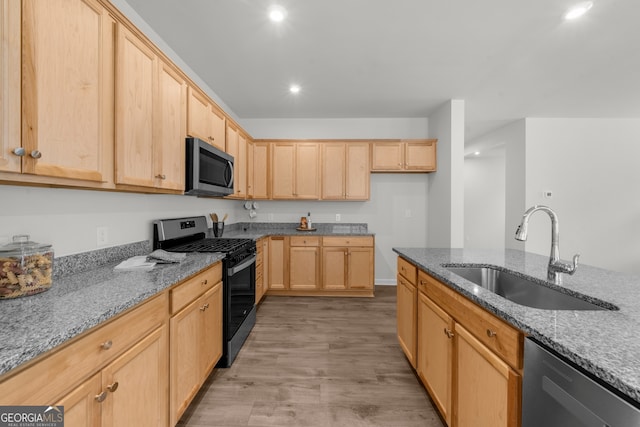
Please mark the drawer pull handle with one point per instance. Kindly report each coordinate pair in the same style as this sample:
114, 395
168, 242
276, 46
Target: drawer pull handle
205, 281
101, 397
491, 333
161, 176
204, 307
113, 387
448, 332
106, 345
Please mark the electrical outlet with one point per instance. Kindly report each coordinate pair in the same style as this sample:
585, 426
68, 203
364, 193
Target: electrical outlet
338, 218
102, 236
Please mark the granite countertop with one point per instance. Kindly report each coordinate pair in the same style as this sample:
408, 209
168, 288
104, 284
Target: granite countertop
604, 343
257, 230
80, 300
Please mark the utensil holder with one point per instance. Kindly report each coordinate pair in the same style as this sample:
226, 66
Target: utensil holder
218, 229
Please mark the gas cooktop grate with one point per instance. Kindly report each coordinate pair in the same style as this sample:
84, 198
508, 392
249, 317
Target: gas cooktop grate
211, 245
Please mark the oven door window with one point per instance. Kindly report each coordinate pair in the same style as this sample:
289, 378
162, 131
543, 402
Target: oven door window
242, 291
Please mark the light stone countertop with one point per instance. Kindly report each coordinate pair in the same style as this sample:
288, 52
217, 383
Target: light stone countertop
78, 301
604, 343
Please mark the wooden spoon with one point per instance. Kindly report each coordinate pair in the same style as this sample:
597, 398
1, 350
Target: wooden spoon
224, 218
214, 217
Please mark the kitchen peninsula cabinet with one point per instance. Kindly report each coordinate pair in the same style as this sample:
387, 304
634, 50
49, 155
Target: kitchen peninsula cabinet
205, 120
295, 170
345, 171
196, 336
404, 156
469, 360
304, 263
67, 117
406, 309
118, 373
9, 85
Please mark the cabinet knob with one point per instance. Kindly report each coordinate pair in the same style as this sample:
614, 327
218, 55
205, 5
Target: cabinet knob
211, 138
35, 154
491, 333
101, 397
106, 345
204, 307
205, 281
19, 151
113, 387
448, 332
161, 176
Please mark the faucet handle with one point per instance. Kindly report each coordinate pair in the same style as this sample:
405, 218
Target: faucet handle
565, 267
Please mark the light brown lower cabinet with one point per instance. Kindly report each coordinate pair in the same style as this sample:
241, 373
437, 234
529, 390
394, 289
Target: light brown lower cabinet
304, 263
196, 336
276, 263
469, 360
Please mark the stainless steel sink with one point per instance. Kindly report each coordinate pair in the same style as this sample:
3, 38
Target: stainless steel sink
526, 291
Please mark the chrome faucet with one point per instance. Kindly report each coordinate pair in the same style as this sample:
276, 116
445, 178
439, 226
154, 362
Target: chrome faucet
556, 266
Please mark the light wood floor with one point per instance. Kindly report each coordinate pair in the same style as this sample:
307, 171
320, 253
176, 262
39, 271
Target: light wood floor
317, 362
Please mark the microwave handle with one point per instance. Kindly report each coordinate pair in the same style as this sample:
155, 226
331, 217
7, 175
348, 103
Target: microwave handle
229, 168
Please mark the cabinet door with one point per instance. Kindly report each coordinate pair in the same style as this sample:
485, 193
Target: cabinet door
333, 171
211, 330
283, 158
185, 367
360, 271
237, 147
387, 156
233, 150
67, 89
307, 178
260, 180
9, 85
435, 351
218, 127
406, 312
198, 116
304, 267
170, 128
136, 76
81, 406
276, 263
358, 174
487, 391
266, 255
334, 268
138, 381
420, 156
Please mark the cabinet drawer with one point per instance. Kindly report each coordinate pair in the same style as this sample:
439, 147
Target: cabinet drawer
407, 270
348, 241
502, 338
192, 288
304, 241
65, 368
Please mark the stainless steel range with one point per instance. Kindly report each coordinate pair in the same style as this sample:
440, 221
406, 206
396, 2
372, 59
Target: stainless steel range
239, 273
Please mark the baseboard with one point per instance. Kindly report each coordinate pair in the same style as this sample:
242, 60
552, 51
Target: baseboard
386, 282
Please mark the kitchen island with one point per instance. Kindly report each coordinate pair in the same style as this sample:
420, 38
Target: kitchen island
605, 343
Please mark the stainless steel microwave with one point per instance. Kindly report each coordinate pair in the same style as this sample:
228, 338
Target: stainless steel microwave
209, 170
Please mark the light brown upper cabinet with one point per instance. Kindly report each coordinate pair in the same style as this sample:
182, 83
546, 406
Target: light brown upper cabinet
170, 129
418, 155
295, 168
9, 85
345, 171
67, 89
150, 117
237, 147
205, 120
258, 177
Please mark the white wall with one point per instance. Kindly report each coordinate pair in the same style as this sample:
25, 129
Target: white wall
397, 210
446, 187
591, 166
484, 199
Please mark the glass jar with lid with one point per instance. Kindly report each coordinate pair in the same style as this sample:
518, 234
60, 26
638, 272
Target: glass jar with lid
26, 267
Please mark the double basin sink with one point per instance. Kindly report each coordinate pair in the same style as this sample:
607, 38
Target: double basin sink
526, 290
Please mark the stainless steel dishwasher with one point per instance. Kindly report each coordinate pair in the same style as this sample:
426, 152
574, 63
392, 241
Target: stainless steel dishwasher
556, 393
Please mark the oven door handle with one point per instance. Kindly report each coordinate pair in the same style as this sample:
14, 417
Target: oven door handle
246, 263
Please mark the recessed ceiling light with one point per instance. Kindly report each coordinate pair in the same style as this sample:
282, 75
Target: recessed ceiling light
578, 10
294, 89
277, 13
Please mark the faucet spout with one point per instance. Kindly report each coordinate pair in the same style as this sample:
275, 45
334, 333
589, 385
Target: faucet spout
556, 267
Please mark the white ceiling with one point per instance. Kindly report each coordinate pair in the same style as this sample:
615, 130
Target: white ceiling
507, 59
